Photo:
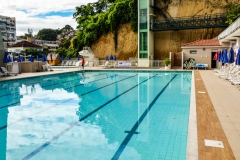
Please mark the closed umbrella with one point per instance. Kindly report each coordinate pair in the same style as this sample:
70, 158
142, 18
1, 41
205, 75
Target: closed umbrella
220, 56
107, 58
5, 58
78, 57
114, 58
43, 58
111, 57
231, 55
238, 57
51, 57
19, 58
37, 59
225, 57
62, 58
69, 57
30, 58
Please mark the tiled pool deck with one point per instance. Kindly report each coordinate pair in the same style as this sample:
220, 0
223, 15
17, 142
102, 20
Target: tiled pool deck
218, 113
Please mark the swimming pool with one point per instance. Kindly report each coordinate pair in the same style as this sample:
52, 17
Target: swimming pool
96, 115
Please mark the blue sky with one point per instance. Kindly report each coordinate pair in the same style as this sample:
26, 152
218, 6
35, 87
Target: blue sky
41, 14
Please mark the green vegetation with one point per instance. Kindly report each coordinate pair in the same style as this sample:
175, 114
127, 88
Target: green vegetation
96, 19
166, 61
233, 13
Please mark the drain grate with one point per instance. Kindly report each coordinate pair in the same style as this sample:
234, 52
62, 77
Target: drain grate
213, 143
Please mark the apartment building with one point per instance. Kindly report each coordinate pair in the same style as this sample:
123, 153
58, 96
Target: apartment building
8, 30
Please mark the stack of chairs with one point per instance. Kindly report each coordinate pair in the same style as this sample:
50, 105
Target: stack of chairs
229, 72
190, 63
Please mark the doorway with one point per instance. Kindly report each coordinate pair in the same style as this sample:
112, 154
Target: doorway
214, 62
178, 59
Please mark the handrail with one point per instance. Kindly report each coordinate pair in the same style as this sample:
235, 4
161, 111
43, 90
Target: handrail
230, 29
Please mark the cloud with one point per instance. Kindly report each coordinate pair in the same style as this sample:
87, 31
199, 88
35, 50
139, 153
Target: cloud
41, 14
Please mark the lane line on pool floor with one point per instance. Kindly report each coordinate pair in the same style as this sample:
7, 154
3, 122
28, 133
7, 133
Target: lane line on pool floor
36, 151
75, 86
57, 84
138, 123
24, 118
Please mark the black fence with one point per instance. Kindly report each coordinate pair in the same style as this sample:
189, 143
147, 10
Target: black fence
195, 22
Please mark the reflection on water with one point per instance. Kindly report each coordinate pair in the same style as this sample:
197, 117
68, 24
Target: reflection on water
37, 110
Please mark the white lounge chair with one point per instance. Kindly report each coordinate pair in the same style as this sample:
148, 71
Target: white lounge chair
86, 64
114, 64
6, 72
106, 64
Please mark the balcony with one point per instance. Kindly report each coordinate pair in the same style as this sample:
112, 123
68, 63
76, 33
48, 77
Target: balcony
231, 31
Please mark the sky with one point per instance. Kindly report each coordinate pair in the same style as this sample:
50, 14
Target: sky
39, 14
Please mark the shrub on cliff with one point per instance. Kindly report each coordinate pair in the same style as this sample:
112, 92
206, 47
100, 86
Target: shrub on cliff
96, 19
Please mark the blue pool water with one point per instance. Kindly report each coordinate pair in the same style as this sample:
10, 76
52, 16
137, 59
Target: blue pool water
96, 116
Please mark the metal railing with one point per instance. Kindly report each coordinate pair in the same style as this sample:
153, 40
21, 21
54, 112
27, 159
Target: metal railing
230, 29
195, 22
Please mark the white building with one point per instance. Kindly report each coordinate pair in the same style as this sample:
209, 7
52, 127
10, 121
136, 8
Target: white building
8, 29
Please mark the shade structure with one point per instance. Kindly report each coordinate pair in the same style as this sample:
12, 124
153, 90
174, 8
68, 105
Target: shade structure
69, 57
5, 58
19, 58
37, 59
111, 57
106, 58
114, 58
78, 57
238, 57
225, 57
231, 55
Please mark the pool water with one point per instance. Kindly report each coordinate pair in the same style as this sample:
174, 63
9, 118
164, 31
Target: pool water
96, 116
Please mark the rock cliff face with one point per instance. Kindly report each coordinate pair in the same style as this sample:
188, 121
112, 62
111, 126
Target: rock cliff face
127, 44
165, 41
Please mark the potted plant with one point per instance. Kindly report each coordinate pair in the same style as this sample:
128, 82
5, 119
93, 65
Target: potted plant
166, 62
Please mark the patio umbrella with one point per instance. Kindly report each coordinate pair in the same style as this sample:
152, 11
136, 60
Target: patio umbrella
220, 56
43, 58
114, 58
69, 57
111, 57
78, 57
30, 58
238, 57
5, 58
12, 58
62, 58
225, 57
37, 59
231, 55
51, 57
107, 58
19, 58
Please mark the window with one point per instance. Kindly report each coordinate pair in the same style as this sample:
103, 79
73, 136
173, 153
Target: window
193, 52
143, 18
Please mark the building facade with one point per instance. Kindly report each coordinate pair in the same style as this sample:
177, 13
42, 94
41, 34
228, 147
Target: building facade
8, 30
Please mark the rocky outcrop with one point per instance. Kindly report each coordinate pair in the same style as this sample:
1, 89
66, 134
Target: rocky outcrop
165, 41
127, 44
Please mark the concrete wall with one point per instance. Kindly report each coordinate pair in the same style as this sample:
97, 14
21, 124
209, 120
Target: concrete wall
1, 51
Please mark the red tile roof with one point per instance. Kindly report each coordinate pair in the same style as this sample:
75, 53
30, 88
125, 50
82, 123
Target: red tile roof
25, 44
208, 42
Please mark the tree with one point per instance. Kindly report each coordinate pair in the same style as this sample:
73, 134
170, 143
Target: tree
47, 34
233, 13
65, 43
61, 51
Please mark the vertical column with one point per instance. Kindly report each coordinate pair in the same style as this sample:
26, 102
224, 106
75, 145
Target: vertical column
145, 36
